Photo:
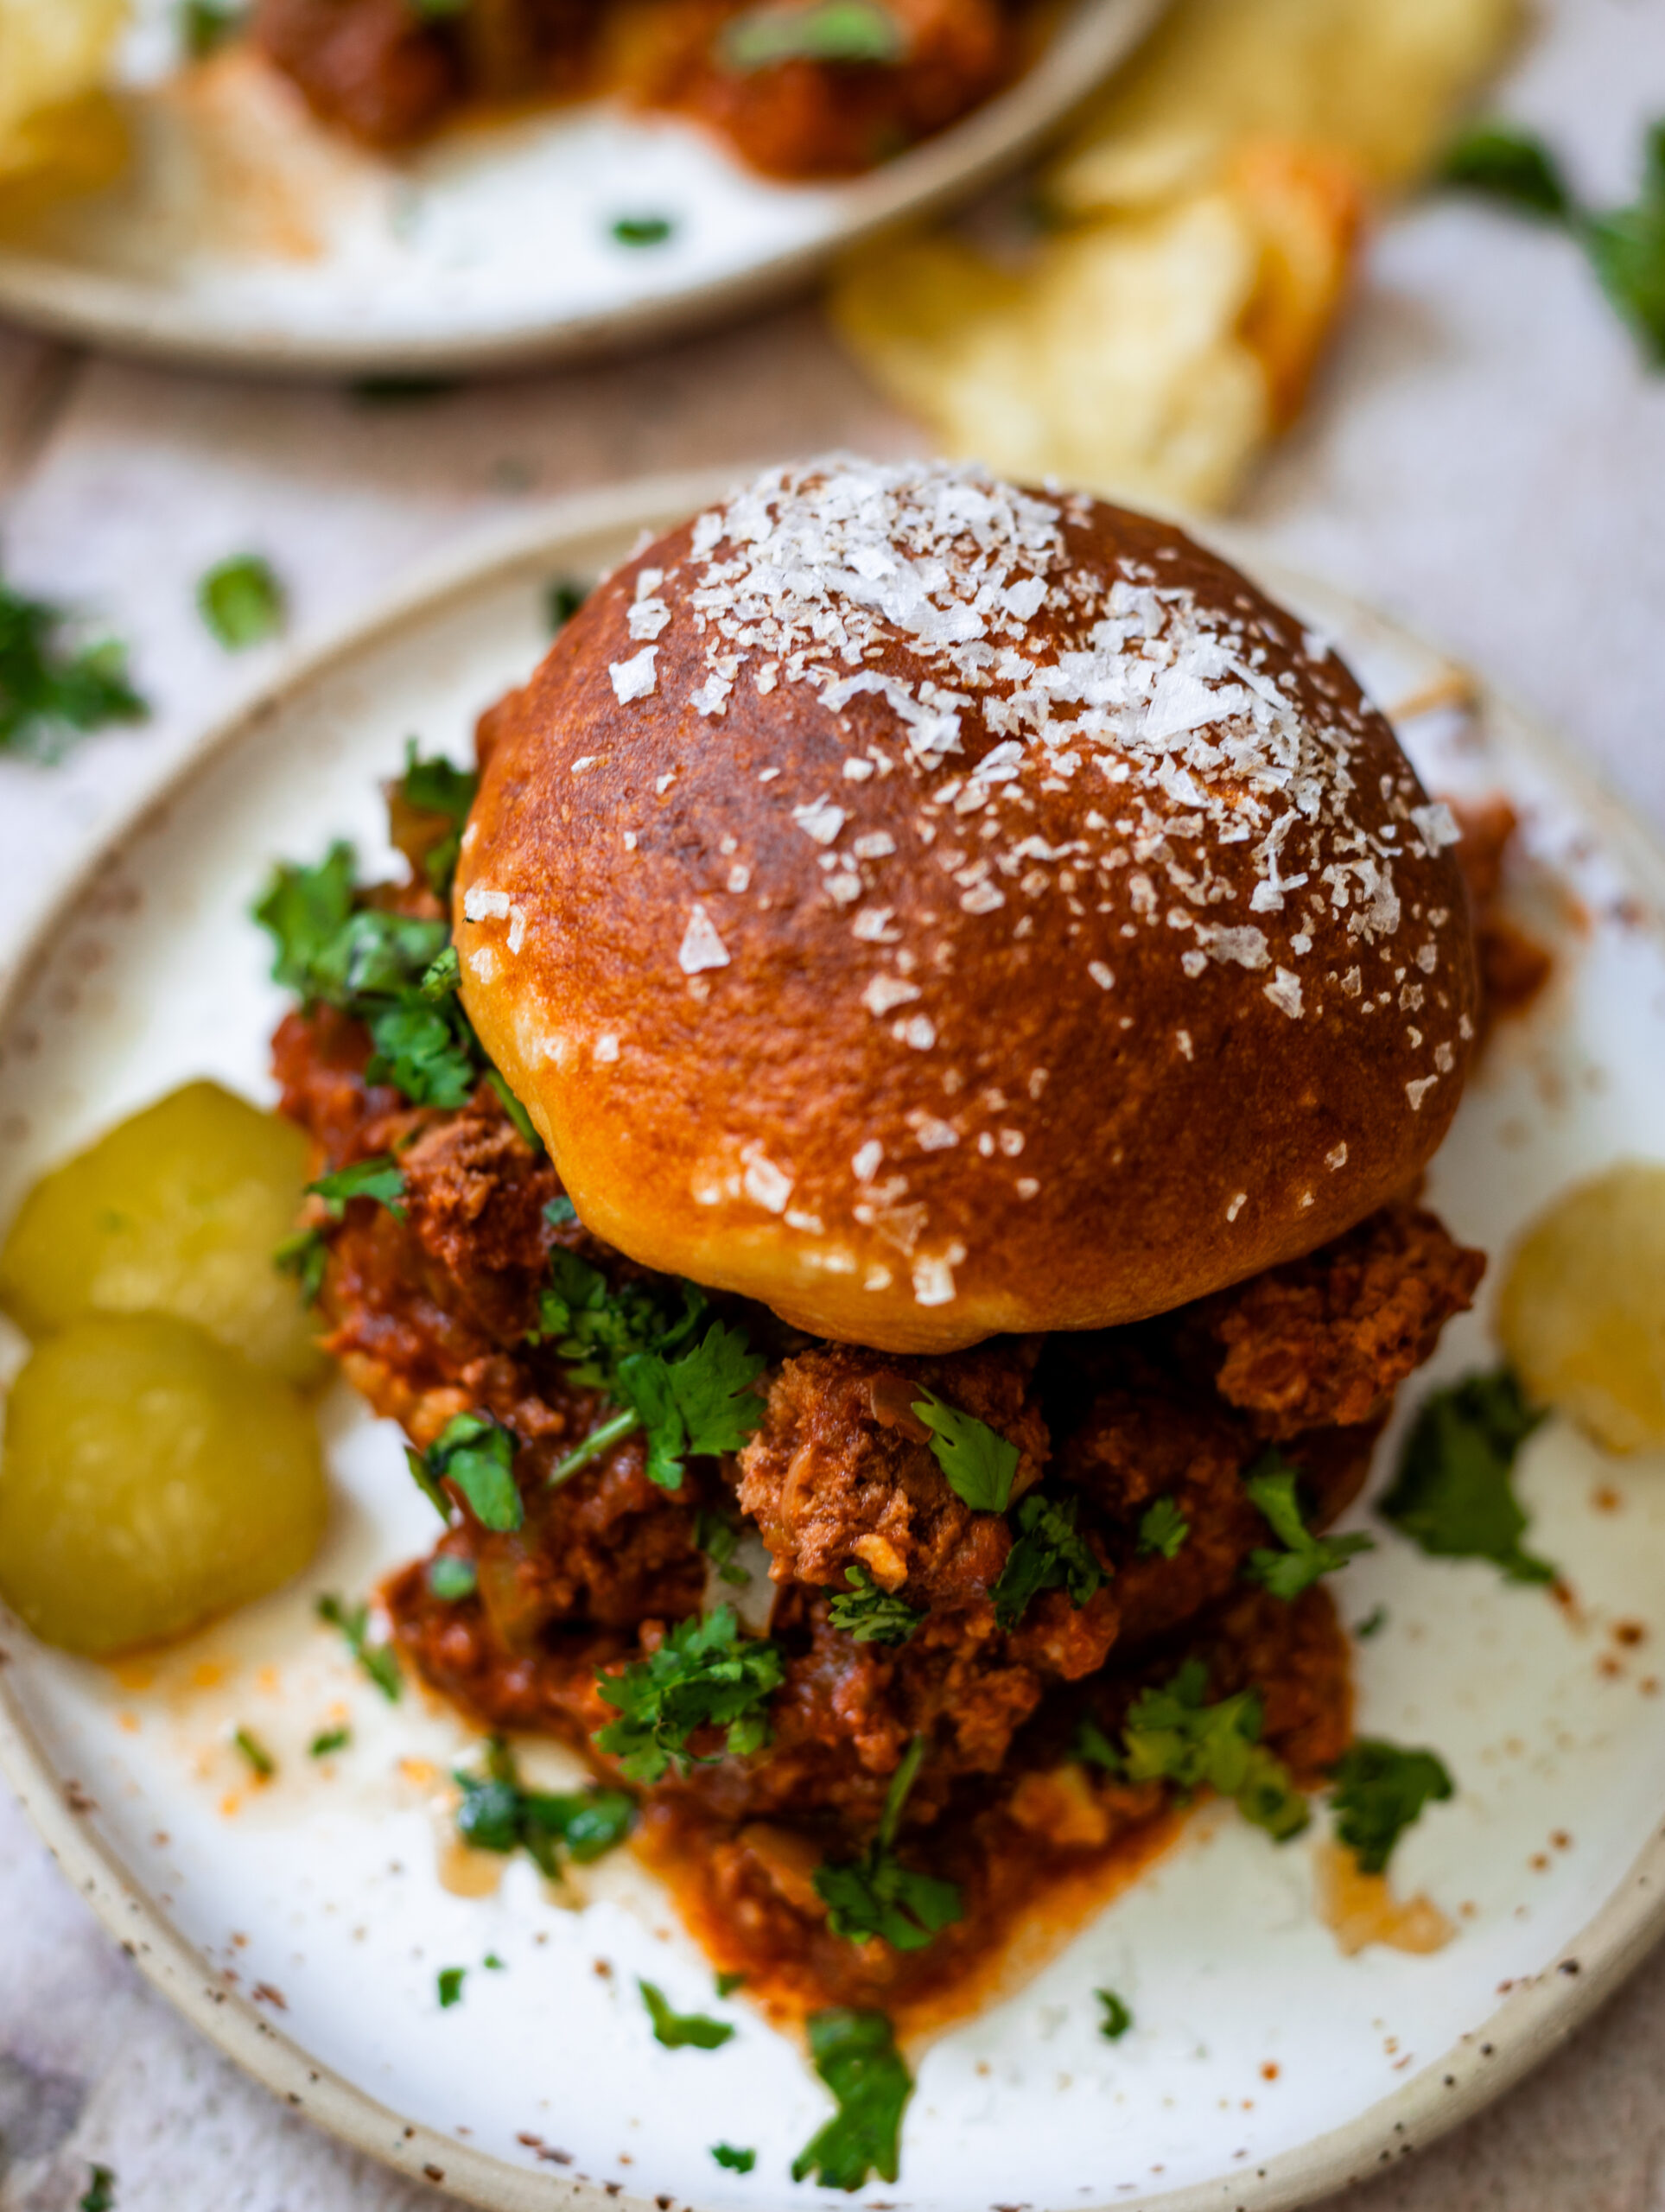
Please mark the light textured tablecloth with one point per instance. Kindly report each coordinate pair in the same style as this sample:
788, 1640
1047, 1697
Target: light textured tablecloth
1486, 458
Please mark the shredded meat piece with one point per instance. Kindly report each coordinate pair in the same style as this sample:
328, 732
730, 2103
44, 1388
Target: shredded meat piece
1326, 1340
842, 1472
374, 67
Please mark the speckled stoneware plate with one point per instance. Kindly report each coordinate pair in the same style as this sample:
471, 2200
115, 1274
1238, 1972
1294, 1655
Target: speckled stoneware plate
243, 235
301, 1925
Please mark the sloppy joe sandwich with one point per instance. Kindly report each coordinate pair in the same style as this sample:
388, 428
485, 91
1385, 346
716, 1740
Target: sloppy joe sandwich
875, 1159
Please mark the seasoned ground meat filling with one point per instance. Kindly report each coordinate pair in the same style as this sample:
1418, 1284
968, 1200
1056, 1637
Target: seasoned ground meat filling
437, 1312
389, 73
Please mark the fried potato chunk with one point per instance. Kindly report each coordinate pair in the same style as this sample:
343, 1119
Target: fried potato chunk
57, 126
177, 1211
1582, 1310
151, 1481
1202, 223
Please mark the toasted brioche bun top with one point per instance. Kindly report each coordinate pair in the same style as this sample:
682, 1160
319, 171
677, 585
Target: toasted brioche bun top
935, 908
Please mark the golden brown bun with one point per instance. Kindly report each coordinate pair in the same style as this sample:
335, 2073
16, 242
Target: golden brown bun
1026, 980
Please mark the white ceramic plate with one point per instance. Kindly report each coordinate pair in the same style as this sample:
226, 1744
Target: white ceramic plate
302, 1925
244, 234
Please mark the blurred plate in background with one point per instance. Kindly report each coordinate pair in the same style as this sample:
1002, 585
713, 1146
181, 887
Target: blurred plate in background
243, 235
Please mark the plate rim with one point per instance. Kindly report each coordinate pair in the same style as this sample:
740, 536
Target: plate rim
1535, 2018
130, 316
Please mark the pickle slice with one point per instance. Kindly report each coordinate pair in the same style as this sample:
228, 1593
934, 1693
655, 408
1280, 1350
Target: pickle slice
1581, 1313
177, 1211
151, 1480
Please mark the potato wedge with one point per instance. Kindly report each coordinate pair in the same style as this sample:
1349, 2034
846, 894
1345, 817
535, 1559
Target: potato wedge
151, 1480
1581, 1313
177, 1211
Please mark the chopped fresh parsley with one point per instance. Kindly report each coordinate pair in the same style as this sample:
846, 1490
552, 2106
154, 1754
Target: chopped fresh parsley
241, 601
595, 1327
377, 966
1372, 1624
1048, 1554
50, 694
562, 601
825, 30
561, 1213
1506, 164
719, 1538
872, 1615
1452, 1495
1379, 1792
1172, 1735
205, 25
378, 1660
497, 1814
737, 2161
877, 1896
704, 1675
980, 1465
428, 810
701, 1403
620, 1342
729, 1981
492, 1964
261, 1761
328, 1740
643, 230
682, 2031
428, 1051
100, 2195
450, 1986
381, 1178
1271, 1484
526, 1128
451, 1578
304, 1255
1118, 2016
477, 1454
856, 2055
1090, 1744
1625, 246
1162, 1528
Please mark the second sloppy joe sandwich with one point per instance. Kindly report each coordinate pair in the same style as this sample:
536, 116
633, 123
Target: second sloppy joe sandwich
986, 985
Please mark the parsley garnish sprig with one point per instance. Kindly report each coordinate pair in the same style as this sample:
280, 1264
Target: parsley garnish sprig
1304, 1557
856, 2055
381, 1178
1163, 1530
388, 970
980, 1465
477, 1454
1172, 1735
704, 1675
497, 1814
1379, 1791
877, 1895
682, 2030
428, 810
379, 1660
51, 694
1453, 1494
871, 1615
620, 1342
1625, 246
1048, 1554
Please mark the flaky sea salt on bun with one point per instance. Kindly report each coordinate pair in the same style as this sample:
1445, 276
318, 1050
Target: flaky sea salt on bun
933, 908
